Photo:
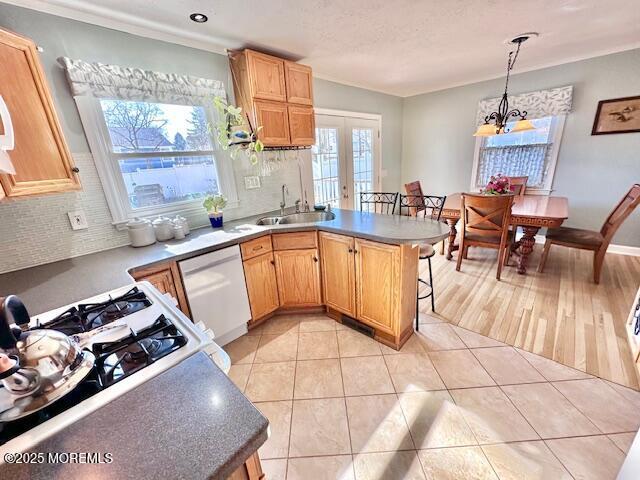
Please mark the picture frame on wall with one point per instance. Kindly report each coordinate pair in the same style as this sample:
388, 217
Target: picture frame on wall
617, 115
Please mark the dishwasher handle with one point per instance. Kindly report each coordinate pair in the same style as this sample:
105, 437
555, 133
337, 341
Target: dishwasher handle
198, 268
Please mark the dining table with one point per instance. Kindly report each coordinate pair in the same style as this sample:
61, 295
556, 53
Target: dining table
530, 212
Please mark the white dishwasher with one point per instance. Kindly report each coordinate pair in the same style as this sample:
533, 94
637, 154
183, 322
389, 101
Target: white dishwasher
217, 293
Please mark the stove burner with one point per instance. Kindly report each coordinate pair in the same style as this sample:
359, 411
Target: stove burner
116, 310
117, 360
95, 315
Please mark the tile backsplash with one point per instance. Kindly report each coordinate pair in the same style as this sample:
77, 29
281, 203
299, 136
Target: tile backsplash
36, 230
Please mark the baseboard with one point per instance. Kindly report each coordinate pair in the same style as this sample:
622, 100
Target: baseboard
619, 249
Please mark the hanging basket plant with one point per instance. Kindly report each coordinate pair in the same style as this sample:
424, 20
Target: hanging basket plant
234, 132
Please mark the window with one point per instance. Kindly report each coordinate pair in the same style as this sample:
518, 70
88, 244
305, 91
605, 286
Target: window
154, 158
325, 167
532, 153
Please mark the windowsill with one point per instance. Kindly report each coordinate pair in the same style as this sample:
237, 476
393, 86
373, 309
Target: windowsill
188, 211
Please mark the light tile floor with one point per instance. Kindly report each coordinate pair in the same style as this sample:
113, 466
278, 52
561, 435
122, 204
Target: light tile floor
451, 405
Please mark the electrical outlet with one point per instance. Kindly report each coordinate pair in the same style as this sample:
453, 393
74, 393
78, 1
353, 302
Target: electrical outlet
78, 220
251, 182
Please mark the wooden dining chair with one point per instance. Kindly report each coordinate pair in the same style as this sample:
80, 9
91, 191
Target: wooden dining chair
590, 239
485, 223
378, 202
426, 207
519, 185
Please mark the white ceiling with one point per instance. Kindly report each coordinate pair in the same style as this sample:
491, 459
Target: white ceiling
402, 47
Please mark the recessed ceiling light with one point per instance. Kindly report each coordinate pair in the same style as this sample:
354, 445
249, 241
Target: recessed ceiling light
198, 17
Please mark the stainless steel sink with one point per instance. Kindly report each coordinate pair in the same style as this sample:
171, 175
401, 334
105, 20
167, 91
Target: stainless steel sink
268, 221
306, 217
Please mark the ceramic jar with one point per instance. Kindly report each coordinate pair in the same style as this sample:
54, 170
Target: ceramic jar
141, 232
163, 227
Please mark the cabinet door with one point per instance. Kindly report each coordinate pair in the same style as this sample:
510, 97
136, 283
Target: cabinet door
338, 272
274, 120
298, 273
267, 76
377, 274
166, 278
302, 125
299, 83
260, 276
41, 157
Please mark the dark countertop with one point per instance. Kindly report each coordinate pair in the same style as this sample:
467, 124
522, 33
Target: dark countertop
188, 422
53, 285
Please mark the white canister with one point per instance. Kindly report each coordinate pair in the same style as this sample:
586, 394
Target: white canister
183, 222
141, 232
163, 227
178, 231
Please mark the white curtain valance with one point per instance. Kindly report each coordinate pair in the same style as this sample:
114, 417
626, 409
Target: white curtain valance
538, 104
113, 81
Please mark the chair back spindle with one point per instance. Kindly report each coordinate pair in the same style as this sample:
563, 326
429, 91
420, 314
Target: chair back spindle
378, 202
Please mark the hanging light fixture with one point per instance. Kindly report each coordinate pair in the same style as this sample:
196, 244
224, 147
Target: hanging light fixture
495, 123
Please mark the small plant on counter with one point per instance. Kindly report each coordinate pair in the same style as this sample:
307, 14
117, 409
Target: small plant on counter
498, 185
234, 133
214, 205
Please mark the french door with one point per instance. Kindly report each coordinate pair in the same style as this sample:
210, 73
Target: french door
345, 159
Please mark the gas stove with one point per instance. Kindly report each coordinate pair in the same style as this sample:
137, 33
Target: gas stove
134, 332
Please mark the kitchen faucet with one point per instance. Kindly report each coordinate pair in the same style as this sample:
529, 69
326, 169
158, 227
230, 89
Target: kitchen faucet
283, 202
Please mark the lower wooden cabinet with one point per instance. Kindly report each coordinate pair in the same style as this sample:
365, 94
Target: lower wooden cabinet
338, 272
262, 288
166, 278
378, 290
250, 470
298, 274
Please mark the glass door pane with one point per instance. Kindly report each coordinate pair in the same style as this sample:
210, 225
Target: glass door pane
325, 167
362, 148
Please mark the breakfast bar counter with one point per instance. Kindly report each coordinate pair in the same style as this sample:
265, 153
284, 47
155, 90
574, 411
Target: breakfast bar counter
48, 286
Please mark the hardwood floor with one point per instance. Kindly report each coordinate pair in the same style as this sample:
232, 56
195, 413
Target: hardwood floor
559, 314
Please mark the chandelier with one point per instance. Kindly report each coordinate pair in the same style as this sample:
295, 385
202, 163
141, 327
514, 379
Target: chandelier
495, 123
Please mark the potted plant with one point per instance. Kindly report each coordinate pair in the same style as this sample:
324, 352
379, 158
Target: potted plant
214, 204
234, 133
498, 185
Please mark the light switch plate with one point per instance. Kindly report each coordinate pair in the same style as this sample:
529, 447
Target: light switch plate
78, 220
251, 182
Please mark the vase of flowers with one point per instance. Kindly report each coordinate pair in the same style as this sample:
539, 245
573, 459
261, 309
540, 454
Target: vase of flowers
498, 185
214, 205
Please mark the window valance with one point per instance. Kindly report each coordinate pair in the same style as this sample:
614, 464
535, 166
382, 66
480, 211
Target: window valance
538, 104
113, 81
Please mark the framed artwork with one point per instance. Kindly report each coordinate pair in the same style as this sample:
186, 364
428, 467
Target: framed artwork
618, 115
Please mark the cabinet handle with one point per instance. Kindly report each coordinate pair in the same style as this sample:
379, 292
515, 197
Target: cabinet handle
272, 262
259, 247
355, 251
75, 169
351, 250
315, 259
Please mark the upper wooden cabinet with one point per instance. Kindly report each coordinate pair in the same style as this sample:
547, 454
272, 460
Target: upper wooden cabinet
267, 77
302, 125
277, 95
299, 82
274, 118
41, 158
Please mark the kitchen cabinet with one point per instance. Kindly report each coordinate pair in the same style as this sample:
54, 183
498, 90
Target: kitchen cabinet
274, 119
276, 95
372, 282
41, 158
338, 272
267, 77
298, 274
302, 125
260, 276
167, 279
250, 470
377, 294
299, 82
